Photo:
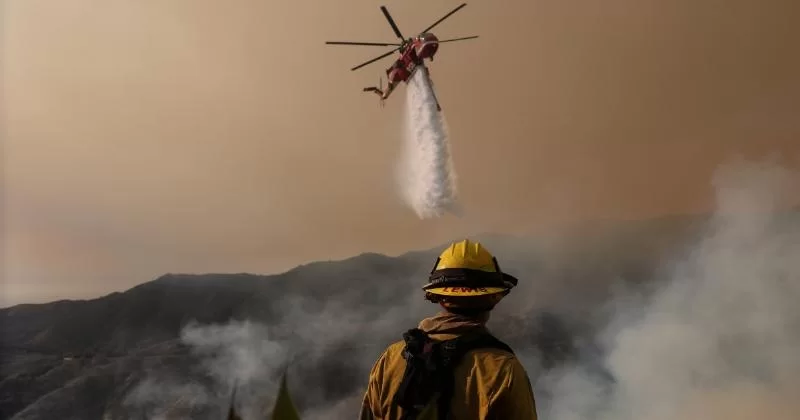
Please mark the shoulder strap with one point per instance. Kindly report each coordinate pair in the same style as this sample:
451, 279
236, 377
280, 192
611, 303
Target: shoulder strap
419, 379
451, 354
429, 368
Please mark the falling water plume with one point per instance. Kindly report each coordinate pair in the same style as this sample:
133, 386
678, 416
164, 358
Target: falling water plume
427, 176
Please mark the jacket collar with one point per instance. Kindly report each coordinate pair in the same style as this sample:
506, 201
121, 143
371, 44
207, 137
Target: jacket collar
447, 325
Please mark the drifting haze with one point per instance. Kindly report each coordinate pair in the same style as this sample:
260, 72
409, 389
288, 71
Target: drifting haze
145, 137
718, 340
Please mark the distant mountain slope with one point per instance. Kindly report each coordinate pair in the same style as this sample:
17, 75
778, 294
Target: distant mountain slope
88, 359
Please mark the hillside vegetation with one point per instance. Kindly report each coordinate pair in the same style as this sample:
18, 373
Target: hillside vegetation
174, 346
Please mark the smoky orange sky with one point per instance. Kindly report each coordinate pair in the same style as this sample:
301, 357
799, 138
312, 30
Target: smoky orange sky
144, 136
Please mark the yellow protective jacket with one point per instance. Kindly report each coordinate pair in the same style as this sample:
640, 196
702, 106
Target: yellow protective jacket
490, 383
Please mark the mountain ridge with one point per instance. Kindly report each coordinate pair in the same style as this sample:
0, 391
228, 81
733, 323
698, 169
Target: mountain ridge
129, 354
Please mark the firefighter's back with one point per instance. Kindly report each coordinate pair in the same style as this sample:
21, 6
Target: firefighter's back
489, 383
453, 353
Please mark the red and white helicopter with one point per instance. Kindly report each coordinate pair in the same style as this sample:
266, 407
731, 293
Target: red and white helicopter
412, 53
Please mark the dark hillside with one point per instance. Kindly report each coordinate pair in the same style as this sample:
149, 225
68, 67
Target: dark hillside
143, 350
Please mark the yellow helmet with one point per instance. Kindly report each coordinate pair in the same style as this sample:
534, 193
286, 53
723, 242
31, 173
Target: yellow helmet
467, 269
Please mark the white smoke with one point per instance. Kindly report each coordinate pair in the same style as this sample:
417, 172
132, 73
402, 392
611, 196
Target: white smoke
427, 176
162, 396
253, 356
237, 352
721, 340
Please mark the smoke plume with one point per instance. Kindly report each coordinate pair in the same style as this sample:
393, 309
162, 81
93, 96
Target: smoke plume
322, 344
427, 175
721, 339
714, 335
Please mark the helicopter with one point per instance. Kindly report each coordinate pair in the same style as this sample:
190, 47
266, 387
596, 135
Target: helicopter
412, 53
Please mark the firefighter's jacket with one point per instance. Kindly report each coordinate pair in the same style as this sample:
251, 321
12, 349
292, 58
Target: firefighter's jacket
489, 383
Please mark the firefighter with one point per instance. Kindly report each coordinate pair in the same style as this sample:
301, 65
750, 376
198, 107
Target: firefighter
451, 362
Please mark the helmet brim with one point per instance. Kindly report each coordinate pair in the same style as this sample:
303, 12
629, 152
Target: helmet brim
465, 291
459, 277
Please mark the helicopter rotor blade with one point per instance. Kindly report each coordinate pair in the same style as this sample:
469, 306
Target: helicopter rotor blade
443, 18
374, 59
378, 44
458, 39
391, 22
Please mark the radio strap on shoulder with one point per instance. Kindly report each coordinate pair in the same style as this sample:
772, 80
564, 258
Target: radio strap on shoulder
429, 369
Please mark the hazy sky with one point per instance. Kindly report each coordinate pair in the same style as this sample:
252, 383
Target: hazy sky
144, 137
